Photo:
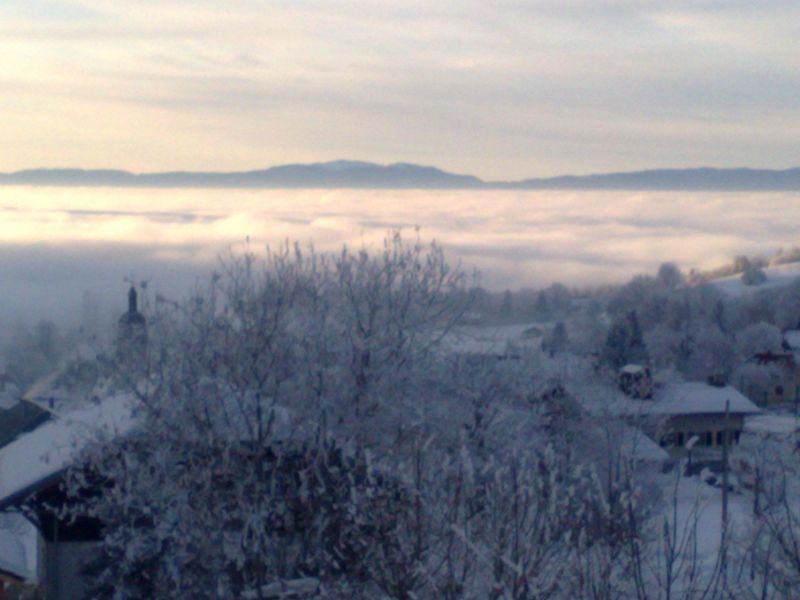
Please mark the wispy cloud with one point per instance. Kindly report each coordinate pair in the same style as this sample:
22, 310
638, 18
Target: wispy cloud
501, 89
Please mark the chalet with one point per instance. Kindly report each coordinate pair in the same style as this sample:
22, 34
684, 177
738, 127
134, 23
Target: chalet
683, 416
692, 416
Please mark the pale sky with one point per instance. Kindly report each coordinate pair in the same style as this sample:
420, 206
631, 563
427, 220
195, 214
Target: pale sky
499, 89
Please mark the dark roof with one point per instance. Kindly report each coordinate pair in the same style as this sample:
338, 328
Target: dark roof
20, 418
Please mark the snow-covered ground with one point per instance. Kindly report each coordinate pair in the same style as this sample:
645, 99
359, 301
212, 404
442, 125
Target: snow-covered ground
778, 276
493, 339
691, 513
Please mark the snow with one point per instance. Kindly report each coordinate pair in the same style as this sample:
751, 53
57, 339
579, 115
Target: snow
700, 398
699, 507
778, 276
781, 425
9, 395
12, 554
792, 337
687, 398
487, 340
632, 369
52, 447
640, 447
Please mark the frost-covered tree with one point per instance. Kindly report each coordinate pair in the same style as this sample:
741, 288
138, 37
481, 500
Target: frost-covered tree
624, 342
556, 340
278, 419
669, 275
298, 418
756, 338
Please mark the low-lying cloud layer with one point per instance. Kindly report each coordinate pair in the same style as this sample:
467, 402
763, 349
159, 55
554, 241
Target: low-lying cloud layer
56, 243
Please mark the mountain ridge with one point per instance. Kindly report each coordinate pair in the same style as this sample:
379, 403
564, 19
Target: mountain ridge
361, 174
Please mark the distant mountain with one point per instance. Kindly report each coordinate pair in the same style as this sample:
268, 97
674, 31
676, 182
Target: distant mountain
357, 174
673, 179
337, 174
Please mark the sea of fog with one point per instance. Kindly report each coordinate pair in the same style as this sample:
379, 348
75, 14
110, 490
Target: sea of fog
59, 246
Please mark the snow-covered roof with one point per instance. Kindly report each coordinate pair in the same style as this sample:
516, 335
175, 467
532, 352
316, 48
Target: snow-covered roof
695, 397
689, 398
632, 369
45, 452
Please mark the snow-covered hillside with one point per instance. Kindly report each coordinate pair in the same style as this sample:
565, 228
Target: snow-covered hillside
778, 276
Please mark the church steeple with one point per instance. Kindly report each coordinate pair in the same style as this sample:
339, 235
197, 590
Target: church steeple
132, 334
132, 301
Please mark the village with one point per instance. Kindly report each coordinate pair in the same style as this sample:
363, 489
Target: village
723, 434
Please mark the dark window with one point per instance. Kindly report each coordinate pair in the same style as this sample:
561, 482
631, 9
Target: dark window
709, 438
719, 438
779, 390
679, 437
736, 435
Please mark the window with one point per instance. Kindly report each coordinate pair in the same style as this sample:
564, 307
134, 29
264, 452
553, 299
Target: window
679, 438
709, 438
736, 435
719, 438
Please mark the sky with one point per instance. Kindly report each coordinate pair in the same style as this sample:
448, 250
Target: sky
502, 89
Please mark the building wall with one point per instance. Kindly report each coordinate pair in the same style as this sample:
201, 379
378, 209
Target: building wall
678, 430
60, 565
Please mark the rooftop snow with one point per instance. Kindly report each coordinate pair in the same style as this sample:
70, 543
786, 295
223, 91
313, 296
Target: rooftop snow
51, 448
700, 398
673, 399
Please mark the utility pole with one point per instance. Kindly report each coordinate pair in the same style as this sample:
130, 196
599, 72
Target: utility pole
724, 537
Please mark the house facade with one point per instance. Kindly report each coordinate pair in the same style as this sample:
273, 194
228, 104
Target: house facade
693, 418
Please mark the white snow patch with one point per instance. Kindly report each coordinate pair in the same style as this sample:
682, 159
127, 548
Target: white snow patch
53, 446
778, 276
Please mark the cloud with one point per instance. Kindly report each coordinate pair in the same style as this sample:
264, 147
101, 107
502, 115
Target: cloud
59, 242
504, 89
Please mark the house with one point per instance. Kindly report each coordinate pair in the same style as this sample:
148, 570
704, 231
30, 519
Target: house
691, 417
771, 378
33, 466
683, 417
